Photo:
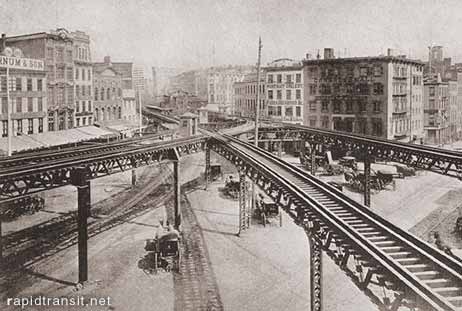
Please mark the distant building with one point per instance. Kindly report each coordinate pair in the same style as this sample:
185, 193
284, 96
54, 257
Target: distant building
245, 95
440, 111
380, 96
139, 82
181, 102
284, 90
161, 77
28, 97
57, 49
194, 82
108, 94
220, 88
437, 64
125, 69
83, 79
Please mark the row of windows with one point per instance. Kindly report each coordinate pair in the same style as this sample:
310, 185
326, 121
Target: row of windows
19, 107
84, 121
249, 89
60, 54
344, 106
108, 113
61, 73
337, 88
109, 93
288, 111
82, 53
83, 106
289, 78
298, 94
347, 70
22, 84
82, 73
359, 126
82, 90
19, 127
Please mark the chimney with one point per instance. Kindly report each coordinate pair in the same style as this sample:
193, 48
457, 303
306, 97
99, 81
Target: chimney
107, 60
328, 53
3, 46
308, 56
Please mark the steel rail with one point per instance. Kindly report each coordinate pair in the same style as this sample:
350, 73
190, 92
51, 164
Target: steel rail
442, 263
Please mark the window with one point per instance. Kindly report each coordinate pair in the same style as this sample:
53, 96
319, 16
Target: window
108, 94
84, 121
69, 74
77, 106
77, 121
120, 112
77, 90
96, 93
349, 107
39, 104
83, 74
325, 122
4, 105
378, 88
89, 74
270, 78
289, 112
51, 122
77, 73
2, 83
29, 85
363, 71
298, 78
50, 53
432, 91
30, 126
19, 126
60, 95
377, 127
279, 78
288, 78
288, 94
325, 106
378, 70
39, 84
270, 94
312, 105
70, 94
18, 104
89, 105
60, 55
30, 104
4, 128
279, 94
69, 56
97, 114
336, 106
313, 88
298, 94
362, 106
313, 122
102, 94
298, 111
60, 73
83, 90
18, 84
50, 73
377, 106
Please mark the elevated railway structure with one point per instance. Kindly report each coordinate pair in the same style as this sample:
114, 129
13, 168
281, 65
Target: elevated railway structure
440, 161
389, 264
375, 252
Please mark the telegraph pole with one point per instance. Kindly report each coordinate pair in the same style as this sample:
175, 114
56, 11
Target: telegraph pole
9, 111
141, 115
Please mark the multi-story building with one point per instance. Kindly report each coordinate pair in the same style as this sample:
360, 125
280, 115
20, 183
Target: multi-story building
125, 69
380, 96
245, 96
28, 95
193, 81
56, 48
440, 111
437, 64
161, 77
220, 88
139, 81
284, 90
108, 100
83, 79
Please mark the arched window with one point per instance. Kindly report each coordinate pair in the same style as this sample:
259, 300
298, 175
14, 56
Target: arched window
102, 114
97, 114
102, 93
108, 94
120, 112
96, 93
114, 113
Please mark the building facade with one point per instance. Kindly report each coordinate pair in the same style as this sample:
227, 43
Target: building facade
380, 96
108, 100
28, 98
193, 81
220, 89
284, 91
441, 112
245, 96
83, 79
125, 69
56, 48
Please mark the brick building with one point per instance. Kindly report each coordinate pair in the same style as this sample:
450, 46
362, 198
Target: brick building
56, 48
284, 91
380, 96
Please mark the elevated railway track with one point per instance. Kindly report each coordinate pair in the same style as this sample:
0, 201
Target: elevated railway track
382, 254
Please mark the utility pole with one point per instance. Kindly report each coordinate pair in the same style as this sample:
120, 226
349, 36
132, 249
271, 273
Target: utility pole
257, 106
141, 115
9, 108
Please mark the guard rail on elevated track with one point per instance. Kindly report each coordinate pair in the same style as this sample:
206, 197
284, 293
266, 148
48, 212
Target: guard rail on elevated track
160, 116
416, 272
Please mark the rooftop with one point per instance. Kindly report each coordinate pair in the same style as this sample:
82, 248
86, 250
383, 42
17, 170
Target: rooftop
363, 59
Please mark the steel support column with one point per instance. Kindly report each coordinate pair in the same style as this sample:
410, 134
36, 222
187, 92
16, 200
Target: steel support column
133, 173
243, 220
367, 181
302, 151
280, 149
315, 272
79, 179
176, 186
313, 159
207, 166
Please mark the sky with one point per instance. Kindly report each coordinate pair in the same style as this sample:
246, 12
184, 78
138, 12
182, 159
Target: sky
199, 33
